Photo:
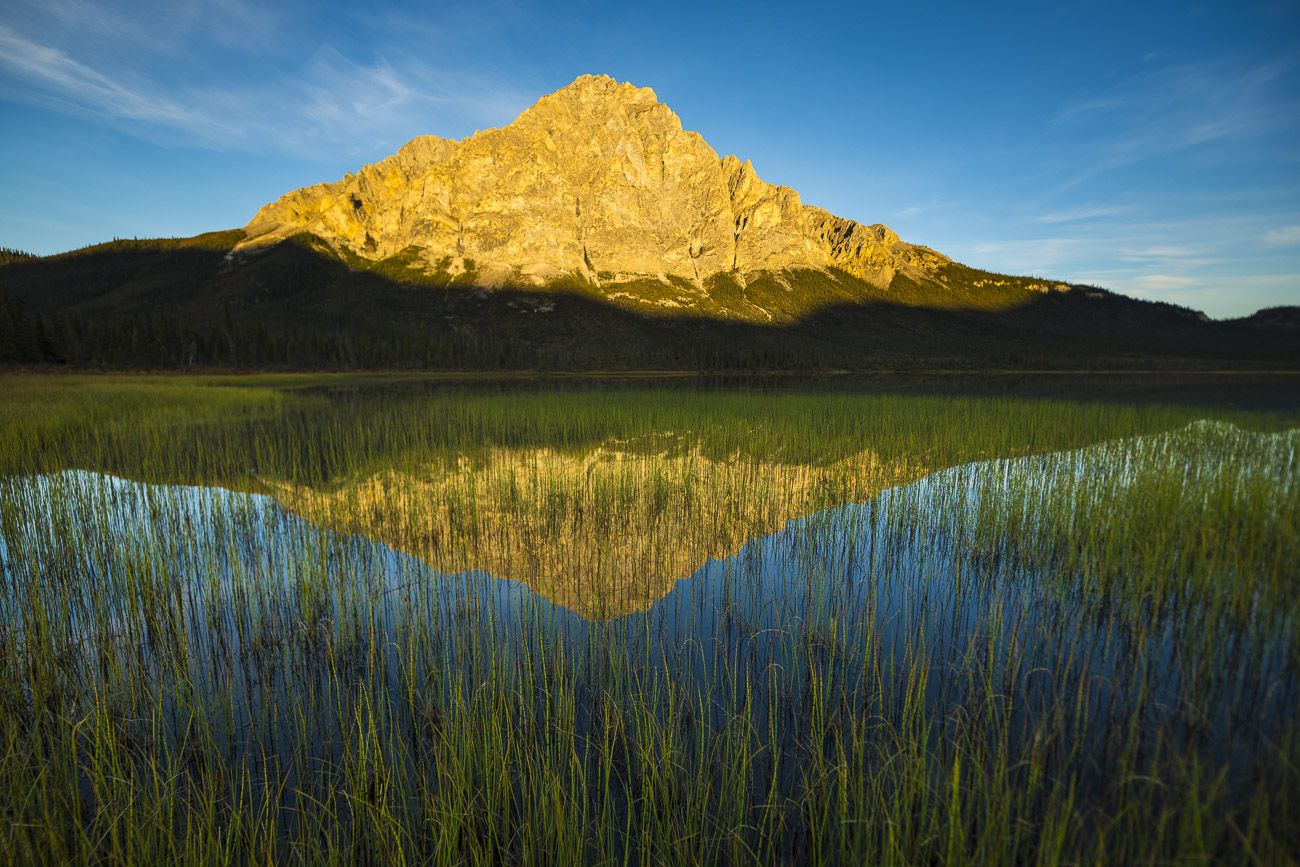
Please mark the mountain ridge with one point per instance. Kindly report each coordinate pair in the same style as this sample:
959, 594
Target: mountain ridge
182, 303
597, 180
591, 233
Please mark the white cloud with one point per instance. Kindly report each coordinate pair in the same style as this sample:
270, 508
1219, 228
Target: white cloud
331, 100
1157, 253
1044, 257
1082, 213
338, 97
1219, 296
54, 70
935, 204
163, 70
1175, 107
150, 27
1287, 236
1157, 282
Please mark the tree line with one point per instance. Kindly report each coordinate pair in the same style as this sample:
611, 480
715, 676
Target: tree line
157, 340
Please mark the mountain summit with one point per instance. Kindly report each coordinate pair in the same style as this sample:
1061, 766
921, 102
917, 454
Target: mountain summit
592, 233
597, 179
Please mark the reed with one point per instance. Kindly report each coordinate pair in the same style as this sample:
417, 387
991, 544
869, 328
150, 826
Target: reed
1081, 657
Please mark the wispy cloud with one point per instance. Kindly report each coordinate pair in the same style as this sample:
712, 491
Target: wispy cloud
1160, 282
153, 27
1228, 297
1162, 110
54, 71
339, 96
1210, 271
1047, 257
1246, 293
935, 204
1157, 253
1082, 213
1287, 236
174, 75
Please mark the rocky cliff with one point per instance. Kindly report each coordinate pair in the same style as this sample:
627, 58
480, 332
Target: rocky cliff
598, 179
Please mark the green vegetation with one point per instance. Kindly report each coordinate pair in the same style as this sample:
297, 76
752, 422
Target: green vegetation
173, 304
396, 267
1203, 526
8, 254
221, 241
157, 340
409, 266
1090, 659
24, 337
789, 296
217, 429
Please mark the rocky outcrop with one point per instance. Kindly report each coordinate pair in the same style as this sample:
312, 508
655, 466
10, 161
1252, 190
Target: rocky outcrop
597, 179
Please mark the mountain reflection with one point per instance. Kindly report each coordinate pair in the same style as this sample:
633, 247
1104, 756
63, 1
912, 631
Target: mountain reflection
603, 532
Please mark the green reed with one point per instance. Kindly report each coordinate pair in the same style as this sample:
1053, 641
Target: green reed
148, 719
327, 429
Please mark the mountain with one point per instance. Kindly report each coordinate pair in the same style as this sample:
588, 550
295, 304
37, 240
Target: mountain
1287, 317
592, 232
599, 180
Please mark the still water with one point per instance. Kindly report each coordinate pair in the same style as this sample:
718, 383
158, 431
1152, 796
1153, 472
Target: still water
897, 603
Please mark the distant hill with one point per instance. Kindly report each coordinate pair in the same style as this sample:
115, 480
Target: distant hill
593, 232
1286, 318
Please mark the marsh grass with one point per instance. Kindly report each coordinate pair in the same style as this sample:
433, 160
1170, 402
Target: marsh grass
603, 533
330, 431
982, 667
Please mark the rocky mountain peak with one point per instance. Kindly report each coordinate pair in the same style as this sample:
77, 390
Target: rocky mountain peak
597, 179
596, 99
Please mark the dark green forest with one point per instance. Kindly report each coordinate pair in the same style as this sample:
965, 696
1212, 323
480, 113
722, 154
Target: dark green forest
197, 303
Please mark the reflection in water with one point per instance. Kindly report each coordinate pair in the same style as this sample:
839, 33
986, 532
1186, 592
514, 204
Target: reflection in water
897, 614
602, 533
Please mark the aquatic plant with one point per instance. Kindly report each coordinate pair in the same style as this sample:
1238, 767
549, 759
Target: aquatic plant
1037, 657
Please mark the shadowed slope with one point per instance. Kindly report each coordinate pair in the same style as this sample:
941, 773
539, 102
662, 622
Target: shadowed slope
175, 302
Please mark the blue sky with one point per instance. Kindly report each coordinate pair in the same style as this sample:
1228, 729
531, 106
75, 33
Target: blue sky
1151, 148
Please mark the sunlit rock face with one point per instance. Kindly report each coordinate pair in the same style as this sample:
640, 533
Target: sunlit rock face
599, 180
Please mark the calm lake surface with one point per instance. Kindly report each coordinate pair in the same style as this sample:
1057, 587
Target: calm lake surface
898, 584
508, 622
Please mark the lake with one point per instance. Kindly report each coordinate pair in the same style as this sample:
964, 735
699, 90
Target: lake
577, 623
